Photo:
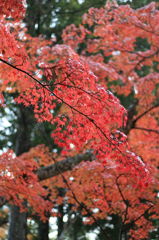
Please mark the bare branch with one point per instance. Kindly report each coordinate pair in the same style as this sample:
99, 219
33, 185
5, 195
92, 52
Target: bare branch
145, 112
65, 165
147, 129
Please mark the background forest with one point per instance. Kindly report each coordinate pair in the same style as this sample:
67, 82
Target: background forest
125, 60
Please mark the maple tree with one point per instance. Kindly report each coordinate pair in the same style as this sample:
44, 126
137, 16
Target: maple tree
108, 156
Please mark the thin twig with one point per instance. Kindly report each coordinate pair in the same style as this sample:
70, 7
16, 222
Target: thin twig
126, 205
147, 129
82, 205
145, 112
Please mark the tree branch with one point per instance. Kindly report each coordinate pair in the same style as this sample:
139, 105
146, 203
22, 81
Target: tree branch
145, 112
58, 168
66, 103
147, 129
126, 202
129, 225
65, 165
131, 123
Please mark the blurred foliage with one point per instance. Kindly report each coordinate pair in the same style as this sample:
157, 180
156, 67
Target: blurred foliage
50, 17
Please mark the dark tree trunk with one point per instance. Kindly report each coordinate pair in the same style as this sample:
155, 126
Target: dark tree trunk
18, 220
18, 224
60, 223
43, 230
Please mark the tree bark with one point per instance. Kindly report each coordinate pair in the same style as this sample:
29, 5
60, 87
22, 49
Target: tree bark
60, 223
18, 224
18, 220
63, 166
43, 230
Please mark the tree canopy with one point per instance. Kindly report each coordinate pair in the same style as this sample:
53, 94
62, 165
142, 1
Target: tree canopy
98, 95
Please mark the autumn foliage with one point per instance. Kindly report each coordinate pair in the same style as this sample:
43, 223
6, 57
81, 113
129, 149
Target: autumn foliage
112, 55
